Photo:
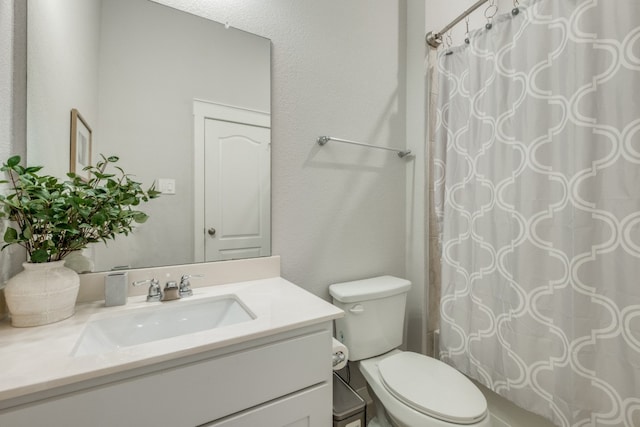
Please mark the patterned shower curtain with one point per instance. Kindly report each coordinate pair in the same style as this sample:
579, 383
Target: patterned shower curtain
537, 189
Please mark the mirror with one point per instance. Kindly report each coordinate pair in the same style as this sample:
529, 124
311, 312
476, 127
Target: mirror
182, 100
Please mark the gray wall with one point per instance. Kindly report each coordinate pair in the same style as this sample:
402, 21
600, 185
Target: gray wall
342, 69
339, 68
12, 106
63, 74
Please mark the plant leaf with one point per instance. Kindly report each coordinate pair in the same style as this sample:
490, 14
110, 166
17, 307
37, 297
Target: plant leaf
56, 216
33, 169
40, 255
11, 235
140, 217
13, 161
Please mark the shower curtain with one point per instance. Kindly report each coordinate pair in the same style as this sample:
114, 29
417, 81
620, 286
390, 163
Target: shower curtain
537, 192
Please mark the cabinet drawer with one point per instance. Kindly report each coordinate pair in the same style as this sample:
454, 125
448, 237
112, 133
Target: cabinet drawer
308, 408
192, 394
265, 373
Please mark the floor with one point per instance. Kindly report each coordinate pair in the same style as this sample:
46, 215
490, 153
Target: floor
506, 414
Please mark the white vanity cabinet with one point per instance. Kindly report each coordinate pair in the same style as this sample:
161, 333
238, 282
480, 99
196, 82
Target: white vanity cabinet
280, 380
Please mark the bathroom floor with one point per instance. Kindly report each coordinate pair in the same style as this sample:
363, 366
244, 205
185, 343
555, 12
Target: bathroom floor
506, 414
371, 409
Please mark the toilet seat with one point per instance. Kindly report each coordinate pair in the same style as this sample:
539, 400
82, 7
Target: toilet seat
432, 387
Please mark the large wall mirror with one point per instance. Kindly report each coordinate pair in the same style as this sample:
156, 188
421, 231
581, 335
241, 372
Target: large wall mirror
182, 100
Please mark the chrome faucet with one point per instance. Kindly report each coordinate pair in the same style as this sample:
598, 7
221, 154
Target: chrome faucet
155, 293
171, 291
185, 285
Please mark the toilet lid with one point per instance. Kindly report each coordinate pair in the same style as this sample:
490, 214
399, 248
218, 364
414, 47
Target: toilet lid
433, 388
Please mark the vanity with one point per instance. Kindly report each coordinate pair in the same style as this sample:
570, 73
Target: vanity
269, 364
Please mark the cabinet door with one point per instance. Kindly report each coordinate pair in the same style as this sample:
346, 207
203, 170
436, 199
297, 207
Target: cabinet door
308, 408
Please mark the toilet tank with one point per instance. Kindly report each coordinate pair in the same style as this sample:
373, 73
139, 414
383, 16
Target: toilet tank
374, 308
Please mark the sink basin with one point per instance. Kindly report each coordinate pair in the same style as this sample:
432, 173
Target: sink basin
169, 320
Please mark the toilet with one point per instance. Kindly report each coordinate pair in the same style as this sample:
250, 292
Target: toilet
409, 389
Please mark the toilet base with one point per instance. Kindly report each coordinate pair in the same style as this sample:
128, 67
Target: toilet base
381, 418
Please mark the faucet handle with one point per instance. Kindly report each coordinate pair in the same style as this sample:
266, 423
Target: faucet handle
185, 284
155, 293
152, 283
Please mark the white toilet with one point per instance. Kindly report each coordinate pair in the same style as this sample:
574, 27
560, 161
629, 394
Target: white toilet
410, 389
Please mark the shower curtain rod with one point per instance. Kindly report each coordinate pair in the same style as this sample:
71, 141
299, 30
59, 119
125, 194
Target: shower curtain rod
322, 140
435, 39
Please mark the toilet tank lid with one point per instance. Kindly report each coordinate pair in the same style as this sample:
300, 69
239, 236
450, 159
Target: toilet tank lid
368, 289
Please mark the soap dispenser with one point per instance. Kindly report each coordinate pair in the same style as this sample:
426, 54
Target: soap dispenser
115, 289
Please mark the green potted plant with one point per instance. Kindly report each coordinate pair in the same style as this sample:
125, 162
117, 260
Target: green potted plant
52, 218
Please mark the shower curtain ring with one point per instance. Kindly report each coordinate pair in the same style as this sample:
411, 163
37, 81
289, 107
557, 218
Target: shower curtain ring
489, 13
448, 42
466, 35
515, 9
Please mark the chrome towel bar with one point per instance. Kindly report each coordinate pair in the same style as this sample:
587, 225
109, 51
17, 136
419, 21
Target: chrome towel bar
322, 140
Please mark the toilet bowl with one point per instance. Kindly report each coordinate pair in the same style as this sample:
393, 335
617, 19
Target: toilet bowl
417, 391
409, 389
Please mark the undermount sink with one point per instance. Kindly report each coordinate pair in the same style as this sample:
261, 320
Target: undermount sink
169, 320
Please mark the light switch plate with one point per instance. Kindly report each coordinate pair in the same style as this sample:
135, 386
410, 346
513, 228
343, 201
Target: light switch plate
167, 185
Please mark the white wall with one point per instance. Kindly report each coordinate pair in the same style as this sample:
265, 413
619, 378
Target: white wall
12, 110
338, 69
352, 70
63, 74
6, 80
416, 213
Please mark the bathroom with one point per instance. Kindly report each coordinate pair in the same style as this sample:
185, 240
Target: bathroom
354, 70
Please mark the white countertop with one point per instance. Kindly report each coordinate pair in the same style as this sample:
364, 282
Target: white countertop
37, 359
